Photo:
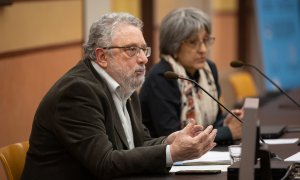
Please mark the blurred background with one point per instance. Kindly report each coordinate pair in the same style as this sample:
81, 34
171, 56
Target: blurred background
41, 39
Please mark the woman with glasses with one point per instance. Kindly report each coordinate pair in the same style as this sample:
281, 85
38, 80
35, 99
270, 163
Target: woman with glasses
168, 105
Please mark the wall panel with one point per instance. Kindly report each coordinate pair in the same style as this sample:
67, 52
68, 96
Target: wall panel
30, 24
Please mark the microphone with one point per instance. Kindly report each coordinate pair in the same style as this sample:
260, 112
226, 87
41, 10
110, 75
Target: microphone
237, 64
171, 76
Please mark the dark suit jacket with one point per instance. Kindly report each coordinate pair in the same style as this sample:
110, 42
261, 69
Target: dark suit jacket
161, 103
77, 133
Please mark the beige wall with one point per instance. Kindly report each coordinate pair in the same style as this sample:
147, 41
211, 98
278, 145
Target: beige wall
28, 51
33, 24
92, 11
162, 8
225, 48
225, 29
40, 40
24, 81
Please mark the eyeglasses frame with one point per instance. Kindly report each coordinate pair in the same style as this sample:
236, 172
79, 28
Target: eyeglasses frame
146, 50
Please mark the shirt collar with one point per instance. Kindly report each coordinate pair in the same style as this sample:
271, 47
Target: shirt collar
113, 85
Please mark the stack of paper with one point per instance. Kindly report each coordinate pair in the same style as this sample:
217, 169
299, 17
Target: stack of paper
295, 157
212, 160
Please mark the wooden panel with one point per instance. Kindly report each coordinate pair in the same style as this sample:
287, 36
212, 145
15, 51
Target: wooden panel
40, 23
224, 49
162, 8
224, 5
24, 80
131, 6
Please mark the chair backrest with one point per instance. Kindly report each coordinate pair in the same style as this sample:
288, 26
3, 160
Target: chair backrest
243, 85
13, 159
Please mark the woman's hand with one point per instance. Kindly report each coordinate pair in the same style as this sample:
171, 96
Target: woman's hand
233, 124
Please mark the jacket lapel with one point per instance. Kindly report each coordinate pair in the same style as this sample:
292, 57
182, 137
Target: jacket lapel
116, 121
120, 130
134, 124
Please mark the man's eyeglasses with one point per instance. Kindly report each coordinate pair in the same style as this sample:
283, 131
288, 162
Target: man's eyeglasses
132, 51
196, 44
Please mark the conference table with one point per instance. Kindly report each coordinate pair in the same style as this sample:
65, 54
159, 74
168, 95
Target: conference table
278, 111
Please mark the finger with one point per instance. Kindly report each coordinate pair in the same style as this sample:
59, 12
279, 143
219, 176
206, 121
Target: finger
237, 112
209, 143
211, 137
188, 128
198, 128
208, 129
204, 134
213, 134
209, 147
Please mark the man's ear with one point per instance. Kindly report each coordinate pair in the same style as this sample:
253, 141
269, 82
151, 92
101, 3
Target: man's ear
101, 57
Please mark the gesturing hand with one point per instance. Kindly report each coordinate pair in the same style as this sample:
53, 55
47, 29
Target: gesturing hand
195, 131
190, 143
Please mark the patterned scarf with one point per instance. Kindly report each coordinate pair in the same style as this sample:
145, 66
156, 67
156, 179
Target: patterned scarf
196, 104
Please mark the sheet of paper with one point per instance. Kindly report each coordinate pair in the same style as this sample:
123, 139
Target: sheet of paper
210, 158
282, 141
223, 168
295, 157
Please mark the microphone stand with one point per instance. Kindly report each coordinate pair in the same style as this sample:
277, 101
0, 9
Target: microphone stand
272, 155
191, 80
172, 75
281, 90
237, 118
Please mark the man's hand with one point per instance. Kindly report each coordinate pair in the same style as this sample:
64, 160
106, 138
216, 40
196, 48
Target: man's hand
191, 142
195, 131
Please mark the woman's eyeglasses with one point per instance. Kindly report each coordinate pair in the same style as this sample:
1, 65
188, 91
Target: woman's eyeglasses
196, 43
132, 51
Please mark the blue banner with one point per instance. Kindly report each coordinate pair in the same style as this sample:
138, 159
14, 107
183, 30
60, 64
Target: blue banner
279, 35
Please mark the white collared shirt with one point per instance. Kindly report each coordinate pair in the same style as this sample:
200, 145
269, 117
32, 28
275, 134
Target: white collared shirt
120, 102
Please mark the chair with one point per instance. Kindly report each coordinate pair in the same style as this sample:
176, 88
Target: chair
243, 85
13, 159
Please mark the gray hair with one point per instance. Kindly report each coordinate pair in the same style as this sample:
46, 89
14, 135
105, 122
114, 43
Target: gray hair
180, 25
102, 31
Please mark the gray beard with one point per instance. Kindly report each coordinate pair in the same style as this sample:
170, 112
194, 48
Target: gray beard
128, 83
